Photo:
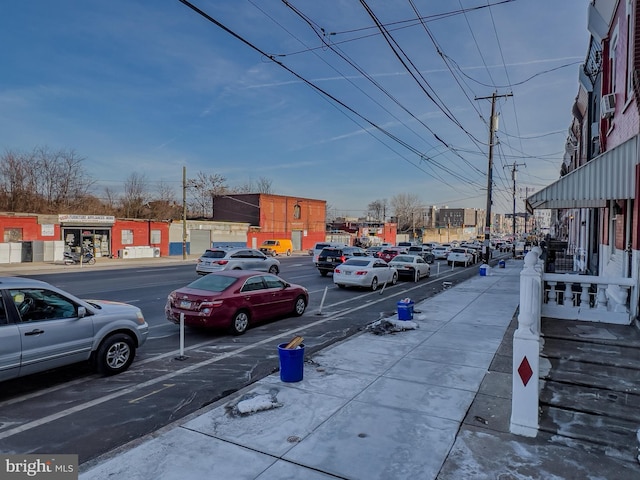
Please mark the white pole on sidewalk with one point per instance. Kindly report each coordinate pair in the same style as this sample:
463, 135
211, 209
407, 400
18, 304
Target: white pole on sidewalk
322, 301
181, 355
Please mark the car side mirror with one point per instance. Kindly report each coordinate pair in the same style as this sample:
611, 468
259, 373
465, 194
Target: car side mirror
82, 312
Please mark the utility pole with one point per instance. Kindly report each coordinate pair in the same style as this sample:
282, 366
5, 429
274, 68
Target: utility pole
514, 169
526, 213
493, 126
184, 213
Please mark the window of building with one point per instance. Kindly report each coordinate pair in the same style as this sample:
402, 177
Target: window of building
12, 235
156, 237
629, 66
127, 237
296, 212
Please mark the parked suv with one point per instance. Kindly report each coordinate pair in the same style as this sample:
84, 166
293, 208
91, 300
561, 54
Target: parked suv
43, 327
331, 257
422, 251
217, 259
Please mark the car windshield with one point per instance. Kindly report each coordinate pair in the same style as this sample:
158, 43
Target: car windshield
403, 258
214, 254
212, 283
357, 262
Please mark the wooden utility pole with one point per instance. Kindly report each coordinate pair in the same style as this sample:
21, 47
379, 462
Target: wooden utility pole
493, 126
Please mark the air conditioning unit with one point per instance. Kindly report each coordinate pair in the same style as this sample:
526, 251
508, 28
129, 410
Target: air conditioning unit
608, 105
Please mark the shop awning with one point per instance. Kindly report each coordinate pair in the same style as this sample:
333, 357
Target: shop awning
609, 176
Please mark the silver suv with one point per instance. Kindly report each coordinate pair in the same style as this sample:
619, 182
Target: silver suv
237, 258
43, 327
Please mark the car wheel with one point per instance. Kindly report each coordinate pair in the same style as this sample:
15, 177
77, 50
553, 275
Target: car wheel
341, 286
273, 253
91, 261
374, 284
240, 322
323, 273
288, 253
428, 272
416, 277
115, 354
300, 306
236, 268
394, 279
273, 269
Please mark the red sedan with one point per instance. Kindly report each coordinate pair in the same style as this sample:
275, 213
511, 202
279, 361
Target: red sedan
389, 253
234, 299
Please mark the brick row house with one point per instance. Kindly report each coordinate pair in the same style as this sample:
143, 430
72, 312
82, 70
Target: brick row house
595, 202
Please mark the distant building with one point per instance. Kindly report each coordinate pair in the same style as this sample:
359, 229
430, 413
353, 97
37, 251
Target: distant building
302, 220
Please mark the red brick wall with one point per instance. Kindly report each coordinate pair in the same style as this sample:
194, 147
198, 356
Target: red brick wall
31, 230
141, 235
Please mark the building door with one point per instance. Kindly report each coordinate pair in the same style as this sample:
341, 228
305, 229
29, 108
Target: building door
200, 240
296, 240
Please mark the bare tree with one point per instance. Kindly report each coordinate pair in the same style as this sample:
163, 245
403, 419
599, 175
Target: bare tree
378, 209
408, 211
134, 201
205, 189
164, 205
262, 185
43, 181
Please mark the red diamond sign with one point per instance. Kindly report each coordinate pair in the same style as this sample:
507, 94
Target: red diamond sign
525, 372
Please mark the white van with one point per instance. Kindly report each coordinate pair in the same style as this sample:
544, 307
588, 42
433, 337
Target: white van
317, 248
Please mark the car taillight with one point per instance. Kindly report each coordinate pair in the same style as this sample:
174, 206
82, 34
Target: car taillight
211, 304
222, 262
337, 270
342, 258
361, 272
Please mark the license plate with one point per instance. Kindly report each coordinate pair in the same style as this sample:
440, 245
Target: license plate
185, 304
347, 273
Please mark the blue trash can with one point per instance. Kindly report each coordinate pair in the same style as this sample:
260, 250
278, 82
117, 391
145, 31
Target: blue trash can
405, 310
483, 270
291, 363
502, 263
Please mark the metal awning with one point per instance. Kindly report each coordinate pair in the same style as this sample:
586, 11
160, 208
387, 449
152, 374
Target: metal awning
609, 176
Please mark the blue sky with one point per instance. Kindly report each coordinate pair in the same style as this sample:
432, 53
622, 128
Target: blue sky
150, 86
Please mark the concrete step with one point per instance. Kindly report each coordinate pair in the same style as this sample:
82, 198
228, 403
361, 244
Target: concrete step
592, 391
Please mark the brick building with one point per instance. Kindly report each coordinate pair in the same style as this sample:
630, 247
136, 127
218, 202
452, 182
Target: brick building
275, 216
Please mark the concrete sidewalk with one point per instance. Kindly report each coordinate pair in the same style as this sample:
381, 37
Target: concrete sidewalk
433, 402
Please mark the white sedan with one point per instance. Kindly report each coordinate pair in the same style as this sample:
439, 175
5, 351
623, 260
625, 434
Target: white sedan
368, 272
412, 266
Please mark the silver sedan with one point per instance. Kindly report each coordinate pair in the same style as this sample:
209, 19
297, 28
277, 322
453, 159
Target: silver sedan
367, 272
411, 266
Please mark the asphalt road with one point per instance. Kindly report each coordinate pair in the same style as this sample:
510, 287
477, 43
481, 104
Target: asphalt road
73, 410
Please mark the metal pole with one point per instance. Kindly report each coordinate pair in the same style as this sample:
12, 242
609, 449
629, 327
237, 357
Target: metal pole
322, 301
184, 213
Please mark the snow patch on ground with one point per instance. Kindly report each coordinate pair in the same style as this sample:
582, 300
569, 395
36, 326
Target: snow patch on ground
390, 325
254, 402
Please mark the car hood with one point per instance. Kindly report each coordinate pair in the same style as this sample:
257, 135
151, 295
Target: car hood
110, 306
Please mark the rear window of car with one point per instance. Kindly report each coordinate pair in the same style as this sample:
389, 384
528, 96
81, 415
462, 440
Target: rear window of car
403, 258
213, 282
458, 250
389, 252
214, 254
331, 252
356, 262
320, 246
